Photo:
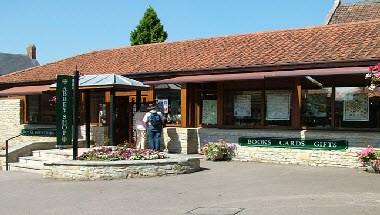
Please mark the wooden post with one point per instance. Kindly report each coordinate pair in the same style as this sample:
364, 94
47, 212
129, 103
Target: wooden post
112, 118
151, 97
76, 116
138, 100
24, 107
333, 115
197, 108
263, 105
220, 98
190, 106
87, 118
297, 100
184, 104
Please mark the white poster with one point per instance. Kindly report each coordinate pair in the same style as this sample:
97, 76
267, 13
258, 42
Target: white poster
278, 105
163, 105
209, 112
242, 105
356, 107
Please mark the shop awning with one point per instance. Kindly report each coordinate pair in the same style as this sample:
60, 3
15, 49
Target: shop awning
25, 90
261, 75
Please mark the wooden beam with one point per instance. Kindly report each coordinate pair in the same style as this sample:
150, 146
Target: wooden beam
297, 103
184, 104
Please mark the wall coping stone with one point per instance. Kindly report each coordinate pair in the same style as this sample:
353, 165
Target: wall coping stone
169, 160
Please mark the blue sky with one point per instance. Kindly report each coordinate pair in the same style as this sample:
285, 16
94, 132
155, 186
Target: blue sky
63, 28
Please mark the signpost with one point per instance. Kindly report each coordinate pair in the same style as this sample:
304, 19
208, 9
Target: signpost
75, 109
64, 110
296, 143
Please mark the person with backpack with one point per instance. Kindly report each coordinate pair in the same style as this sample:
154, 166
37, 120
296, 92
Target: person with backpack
154, 120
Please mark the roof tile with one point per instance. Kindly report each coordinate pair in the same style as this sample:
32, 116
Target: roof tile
332, 43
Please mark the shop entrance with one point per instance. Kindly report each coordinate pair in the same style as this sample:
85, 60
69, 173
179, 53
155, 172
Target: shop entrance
122, 125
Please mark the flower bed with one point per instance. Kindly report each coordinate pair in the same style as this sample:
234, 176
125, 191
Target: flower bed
370, 158
219, 151
121, 153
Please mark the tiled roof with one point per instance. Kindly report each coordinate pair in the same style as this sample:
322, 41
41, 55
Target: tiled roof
356, 12
323, 44
14, 62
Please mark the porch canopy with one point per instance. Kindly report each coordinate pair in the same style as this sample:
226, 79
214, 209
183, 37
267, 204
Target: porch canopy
261, 75
108, 81
111, 83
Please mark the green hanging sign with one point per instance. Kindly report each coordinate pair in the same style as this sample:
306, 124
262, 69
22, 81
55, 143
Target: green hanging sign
296, 143
64, 110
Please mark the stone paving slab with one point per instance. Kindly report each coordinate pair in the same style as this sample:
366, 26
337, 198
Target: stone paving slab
215, 211
261, 189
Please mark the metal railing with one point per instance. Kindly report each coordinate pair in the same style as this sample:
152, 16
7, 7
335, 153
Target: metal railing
6, 152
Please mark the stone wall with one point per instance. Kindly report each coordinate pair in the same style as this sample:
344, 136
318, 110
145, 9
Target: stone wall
98, 134
181, 140
339, 158
10, 115
187, 141
107, 170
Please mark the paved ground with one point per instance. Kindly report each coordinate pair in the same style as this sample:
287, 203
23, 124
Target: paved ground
222, 188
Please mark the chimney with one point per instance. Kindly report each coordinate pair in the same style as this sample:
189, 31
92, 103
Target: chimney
31, 51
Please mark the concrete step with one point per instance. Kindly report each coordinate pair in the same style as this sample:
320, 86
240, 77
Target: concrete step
55, 154
58, 154
27, 168
35, 161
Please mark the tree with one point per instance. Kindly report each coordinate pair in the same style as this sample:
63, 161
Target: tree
149, 30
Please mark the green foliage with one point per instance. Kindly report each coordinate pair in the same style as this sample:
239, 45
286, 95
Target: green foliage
149, 30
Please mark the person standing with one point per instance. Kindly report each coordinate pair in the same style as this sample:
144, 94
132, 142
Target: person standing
140, 128
154, 121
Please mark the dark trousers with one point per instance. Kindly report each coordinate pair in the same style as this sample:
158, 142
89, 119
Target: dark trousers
154, 138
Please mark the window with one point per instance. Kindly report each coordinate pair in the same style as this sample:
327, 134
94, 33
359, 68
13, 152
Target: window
209, 112
41, 109
278, 112
316, 108
356, 107
168, 97
243, 108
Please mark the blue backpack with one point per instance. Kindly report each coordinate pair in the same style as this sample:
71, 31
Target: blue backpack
155, 120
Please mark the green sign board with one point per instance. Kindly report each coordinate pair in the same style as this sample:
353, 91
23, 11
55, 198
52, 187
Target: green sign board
64, 108
296, 143
43, 132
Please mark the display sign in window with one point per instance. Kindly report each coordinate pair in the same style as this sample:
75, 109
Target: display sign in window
277, 105
356, 107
